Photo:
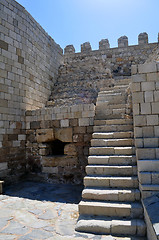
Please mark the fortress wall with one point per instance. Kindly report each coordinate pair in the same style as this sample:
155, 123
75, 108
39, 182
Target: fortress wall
29, 61
119, 59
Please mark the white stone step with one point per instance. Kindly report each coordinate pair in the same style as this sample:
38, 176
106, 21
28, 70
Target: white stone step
115, 89
112, 135
112, 142
112, 182
113, 128
111, 194
112, 209
113, 122
105, 225
112, 151
111, 170
112, 98
112, 160
108, 108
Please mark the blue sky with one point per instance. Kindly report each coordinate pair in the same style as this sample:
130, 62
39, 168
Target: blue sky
78, 21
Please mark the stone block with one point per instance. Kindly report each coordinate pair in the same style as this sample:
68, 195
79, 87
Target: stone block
150, 142
147, 67
155, 178
45, 135
64, 123
152, 119
148, 96
70, 149
137, 97
139, 78
4, 45
156, 131
155, 108
146, 153
148, 131
59, 161
21, 137
147, 86
156, 96
136, 87
134, 69
138, 132
139, 142
79, 130
84, 122
152, 77
139, 121
145, 177
63, 134
145, 108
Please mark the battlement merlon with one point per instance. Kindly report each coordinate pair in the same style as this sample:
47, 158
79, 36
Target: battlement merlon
105, 45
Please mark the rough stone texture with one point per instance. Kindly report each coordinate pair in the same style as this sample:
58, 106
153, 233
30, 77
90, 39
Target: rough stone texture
62, 124
145, 112
29, 62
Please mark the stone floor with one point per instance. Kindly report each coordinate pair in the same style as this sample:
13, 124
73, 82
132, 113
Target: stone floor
32, 210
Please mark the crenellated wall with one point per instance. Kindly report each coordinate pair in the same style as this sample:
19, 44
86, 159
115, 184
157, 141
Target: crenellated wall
29, 62
118, 59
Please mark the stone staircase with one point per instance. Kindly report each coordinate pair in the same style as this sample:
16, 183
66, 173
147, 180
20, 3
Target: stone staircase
111, 198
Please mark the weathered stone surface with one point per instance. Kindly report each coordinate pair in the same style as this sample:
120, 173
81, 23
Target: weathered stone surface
70, 149
45, 135
64, 134
61, 161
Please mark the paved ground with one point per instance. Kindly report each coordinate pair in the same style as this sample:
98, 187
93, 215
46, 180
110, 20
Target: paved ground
38, 211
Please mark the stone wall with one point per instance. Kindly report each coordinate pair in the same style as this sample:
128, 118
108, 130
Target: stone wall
29, 62
145, 98
84, 74
118, 59
50, 128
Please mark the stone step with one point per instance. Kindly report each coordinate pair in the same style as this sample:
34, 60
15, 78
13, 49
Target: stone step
113, 122
115, 89
111, 170
111, 194
104, 105
114, 98
112, 160
112, 182
112, 151
113, 128
117, 227
112, 135
101, 116
112, 142
111, 209
1, 186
